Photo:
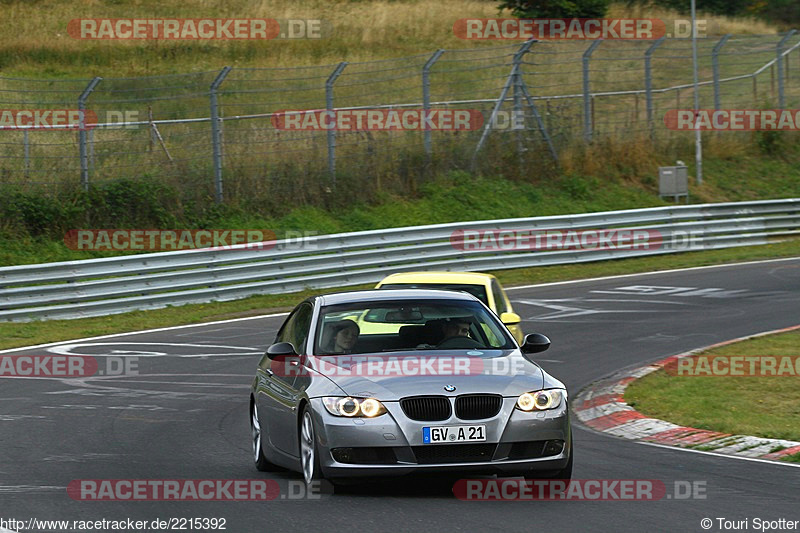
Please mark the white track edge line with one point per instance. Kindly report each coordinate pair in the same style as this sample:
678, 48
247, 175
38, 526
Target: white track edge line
168, 328
618, 276
725, 455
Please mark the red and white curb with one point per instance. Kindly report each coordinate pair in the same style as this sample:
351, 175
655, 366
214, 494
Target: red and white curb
601, 407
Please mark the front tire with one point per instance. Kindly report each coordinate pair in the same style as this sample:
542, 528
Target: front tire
309, 456
261, 462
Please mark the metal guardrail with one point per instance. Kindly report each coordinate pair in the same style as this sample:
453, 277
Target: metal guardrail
75, 289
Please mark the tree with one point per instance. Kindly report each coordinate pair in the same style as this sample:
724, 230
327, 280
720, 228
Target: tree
785, 13
556, 8
718, 7
781, 12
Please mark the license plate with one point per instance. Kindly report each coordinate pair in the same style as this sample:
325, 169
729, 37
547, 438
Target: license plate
448, 434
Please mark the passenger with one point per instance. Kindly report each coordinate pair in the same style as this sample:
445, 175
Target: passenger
342, 337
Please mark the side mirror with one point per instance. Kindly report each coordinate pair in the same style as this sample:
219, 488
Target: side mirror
280, 349
535, 343
509, 319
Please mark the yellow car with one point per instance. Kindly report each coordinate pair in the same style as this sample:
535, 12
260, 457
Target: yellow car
485, 287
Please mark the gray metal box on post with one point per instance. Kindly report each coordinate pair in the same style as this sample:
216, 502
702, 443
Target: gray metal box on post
673, 181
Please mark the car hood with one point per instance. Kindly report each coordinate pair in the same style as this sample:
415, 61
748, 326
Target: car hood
398, 375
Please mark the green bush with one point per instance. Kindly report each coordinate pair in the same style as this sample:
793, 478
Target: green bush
133, 203
38, 215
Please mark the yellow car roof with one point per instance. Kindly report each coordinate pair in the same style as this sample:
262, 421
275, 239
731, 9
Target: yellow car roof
470, 278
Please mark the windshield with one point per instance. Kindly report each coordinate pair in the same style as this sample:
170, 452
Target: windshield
408, 325
478, 291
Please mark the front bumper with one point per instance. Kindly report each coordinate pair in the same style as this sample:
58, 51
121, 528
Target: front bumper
391, 445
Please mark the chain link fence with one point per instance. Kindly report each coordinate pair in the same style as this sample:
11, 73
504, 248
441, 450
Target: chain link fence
215, 131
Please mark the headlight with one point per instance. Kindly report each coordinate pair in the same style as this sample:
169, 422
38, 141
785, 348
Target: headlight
540, 400
353, 407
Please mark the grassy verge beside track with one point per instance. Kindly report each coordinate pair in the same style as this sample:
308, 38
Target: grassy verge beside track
23, 334
741, 405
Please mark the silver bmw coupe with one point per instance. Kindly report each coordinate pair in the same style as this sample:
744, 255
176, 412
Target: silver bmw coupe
391, 382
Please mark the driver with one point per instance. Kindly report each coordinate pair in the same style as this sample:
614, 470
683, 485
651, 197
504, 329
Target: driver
456, 327
452, 329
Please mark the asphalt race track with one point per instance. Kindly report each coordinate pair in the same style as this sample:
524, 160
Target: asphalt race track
184, 416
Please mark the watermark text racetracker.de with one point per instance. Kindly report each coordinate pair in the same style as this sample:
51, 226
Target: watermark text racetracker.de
579, 239
67, 119
393, 365
735, 366
197, 29
198, 490
576, 29
411, 119
47, 119
123, 240
733, 119
579, 490
66, 366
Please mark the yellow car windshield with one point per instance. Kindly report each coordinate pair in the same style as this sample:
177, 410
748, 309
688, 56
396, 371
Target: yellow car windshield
373, 327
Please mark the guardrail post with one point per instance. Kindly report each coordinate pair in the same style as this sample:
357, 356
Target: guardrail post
648, 83
426, 97
512, 78
82, 132
331, 131
779, 61
715, 68
587, 98
216, 133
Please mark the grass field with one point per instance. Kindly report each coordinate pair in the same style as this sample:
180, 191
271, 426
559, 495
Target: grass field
759, 406
363, 31
264, 170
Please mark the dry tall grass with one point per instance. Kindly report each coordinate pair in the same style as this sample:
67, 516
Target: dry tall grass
271, 168
35, 42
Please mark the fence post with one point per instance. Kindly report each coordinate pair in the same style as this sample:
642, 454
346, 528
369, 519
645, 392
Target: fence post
715, 68
27, 151
216, 133
426, 97
518, 83
779, 61
150, 127
331, 131
648, 83
587, 103
91, 149
82, 132
512, 78
540, 122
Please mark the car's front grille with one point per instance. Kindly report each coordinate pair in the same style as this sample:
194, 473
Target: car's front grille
453, 453
478, 406
426, 408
